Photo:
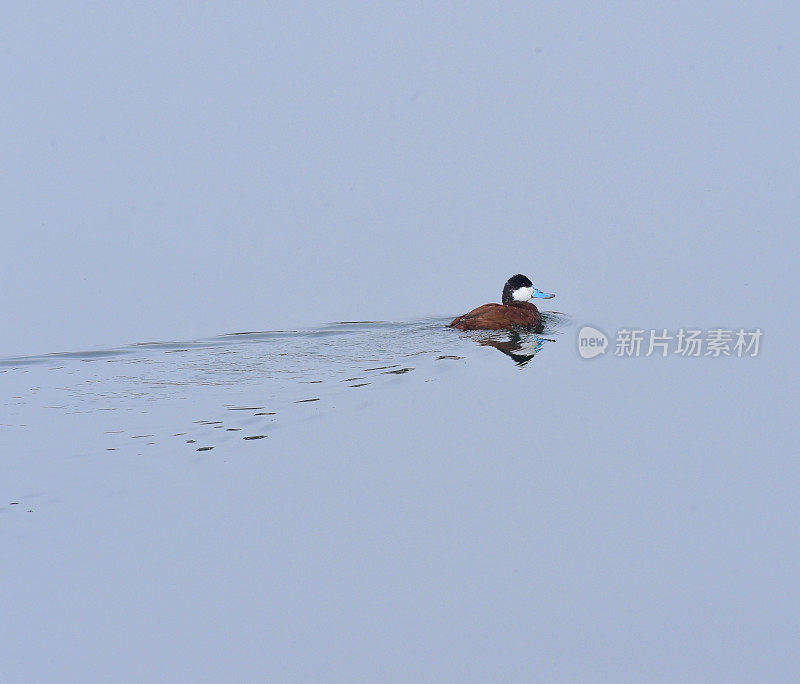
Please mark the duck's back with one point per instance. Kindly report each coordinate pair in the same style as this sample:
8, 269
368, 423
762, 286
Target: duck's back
499, 316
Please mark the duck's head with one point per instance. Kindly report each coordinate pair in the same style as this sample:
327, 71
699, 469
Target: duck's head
519, 288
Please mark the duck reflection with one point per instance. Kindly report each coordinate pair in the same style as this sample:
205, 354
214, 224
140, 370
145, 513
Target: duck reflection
519, 345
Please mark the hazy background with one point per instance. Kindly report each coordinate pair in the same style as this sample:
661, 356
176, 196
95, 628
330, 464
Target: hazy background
172, 170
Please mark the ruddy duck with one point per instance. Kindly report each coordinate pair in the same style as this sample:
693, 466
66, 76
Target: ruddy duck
515, 310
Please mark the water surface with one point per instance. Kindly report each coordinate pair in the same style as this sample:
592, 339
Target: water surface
343, 497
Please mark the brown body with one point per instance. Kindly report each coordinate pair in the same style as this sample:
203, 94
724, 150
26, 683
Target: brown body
499, 316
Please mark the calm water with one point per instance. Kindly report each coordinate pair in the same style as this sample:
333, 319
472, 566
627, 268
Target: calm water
395, 500
246, 382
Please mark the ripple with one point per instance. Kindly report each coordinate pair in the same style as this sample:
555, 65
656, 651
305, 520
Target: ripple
237, 376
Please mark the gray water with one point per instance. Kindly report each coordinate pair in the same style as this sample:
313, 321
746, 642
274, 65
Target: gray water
399, 500
201, 480
248, 382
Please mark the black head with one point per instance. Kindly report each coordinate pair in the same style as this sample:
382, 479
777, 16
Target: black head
513, 284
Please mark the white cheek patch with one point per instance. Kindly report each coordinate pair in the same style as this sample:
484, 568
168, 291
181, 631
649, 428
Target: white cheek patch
522, 294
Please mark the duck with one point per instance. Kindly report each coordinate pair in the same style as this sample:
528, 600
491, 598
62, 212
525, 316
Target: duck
516, 311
